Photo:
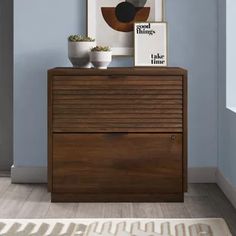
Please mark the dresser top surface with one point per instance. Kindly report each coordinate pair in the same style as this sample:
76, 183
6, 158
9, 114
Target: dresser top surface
70, 71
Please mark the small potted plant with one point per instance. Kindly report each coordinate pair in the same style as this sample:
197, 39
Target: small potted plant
78, 50
101, 56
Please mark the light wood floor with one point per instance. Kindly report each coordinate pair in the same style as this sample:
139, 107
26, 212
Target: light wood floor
33, 201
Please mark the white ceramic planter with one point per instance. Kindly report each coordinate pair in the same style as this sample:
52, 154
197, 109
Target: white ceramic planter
78, 53
101, 60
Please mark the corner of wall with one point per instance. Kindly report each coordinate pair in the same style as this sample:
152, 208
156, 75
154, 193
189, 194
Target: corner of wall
226, 186
218, 80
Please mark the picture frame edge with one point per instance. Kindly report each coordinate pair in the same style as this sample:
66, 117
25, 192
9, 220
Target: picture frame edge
93, 35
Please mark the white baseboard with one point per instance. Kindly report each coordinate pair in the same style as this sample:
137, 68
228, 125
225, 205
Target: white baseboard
39, 175
228, 188
22, 174
202, 175
5, 173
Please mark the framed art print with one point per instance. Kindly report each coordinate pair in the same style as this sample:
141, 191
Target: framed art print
150, 39
111, 22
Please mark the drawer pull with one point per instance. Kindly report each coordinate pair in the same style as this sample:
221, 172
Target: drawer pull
173, 138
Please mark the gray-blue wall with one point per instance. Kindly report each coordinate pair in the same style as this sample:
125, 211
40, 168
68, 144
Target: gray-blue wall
6, 83
227, 118
41, 29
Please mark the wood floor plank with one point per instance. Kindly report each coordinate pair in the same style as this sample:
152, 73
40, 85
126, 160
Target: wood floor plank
13, 199
62, 210
201, 207
117, 210
4, 184
197, 190
90, 210
147, 210
37, 204
175, 210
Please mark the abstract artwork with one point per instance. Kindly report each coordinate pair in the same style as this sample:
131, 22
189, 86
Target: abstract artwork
111, 22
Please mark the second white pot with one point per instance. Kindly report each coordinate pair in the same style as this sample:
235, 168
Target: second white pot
101, 60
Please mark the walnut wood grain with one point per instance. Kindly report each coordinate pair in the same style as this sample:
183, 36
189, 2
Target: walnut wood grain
118, 130
185, 130
119, 72
117, 163
126, 97
116, 92
116, 105
84, 80
114, 197
92, 112
49, 126
120, 116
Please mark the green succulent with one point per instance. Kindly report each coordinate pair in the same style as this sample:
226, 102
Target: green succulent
101, 49
80, 38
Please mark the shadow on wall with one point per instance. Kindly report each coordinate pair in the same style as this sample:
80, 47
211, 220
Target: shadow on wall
6, 84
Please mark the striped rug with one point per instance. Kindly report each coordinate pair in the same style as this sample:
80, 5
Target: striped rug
114, 227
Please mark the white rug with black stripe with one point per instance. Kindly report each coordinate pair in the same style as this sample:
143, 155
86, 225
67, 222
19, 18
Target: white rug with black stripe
114, 227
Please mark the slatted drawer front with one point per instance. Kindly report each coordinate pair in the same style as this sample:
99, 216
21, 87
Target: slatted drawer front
117, 104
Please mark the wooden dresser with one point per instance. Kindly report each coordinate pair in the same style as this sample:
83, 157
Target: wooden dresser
117, 135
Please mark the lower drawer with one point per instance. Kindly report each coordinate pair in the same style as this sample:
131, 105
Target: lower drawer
117, 163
